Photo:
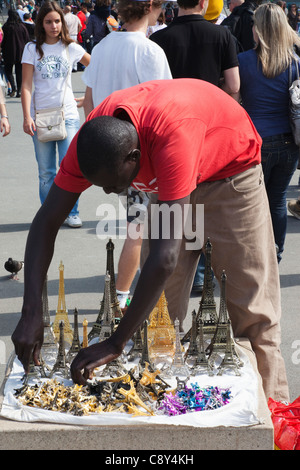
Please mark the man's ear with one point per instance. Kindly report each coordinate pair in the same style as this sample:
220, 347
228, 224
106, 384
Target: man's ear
134, 156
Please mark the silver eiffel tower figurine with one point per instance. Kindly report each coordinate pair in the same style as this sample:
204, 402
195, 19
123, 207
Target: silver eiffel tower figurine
60, 365
201, 364
75, 346
229, 361
107, 322
193, 350
219, 341
115, 305
50, 346
178, 367
145, 351
137, 348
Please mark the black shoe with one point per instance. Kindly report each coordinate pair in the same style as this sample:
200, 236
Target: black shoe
18, 95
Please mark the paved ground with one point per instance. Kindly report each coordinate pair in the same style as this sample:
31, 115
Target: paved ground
84, 255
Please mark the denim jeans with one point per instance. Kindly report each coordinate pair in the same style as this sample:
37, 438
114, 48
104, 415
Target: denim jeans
45, 153
279, 161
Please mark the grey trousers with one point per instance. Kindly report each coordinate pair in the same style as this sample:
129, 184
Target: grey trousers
237, 221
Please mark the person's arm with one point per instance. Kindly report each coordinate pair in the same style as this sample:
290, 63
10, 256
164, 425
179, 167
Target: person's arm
28, 335
85, 59
4, 123
88, 103
158, 267
27, 77
231, 83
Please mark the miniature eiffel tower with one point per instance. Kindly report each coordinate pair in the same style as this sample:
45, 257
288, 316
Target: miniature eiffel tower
35, 372
229, 361
107, 322
207, 309
85, 341
178, 367
75, 346
161, 332
145, 352
193, 350
207, 306
115, 305
62, 312
137, 348
60, 365
49, 348
201, 364
219, 341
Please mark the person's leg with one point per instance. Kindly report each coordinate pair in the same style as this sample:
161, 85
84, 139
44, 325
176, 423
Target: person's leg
72, 126
238, 222
18, 70
45, 153
279, 162
8, 68
129, 261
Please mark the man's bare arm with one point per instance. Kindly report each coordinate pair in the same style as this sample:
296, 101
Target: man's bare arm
28, 335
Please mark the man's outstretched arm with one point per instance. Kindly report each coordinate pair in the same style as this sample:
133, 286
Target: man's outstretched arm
28, 335
160, 264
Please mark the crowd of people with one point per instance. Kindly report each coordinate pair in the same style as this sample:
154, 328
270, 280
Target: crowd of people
236, 157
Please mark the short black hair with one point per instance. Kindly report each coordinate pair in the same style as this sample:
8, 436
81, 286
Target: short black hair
102, 142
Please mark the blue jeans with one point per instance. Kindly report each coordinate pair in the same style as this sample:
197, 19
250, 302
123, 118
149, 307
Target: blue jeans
45, 153
199, 275
279, 161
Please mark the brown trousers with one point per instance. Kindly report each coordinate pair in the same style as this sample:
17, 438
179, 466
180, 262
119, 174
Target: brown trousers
237, 221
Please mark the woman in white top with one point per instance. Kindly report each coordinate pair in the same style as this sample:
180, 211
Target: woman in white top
47, 63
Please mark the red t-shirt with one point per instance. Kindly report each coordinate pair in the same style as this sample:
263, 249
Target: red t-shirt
189, 131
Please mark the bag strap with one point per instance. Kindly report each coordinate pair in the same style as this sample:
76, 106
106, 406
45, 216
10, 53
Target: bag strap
66, 80
291, 72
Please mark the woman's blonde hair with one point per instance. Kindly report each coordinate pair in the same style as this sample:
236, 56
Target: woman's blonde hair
275, 48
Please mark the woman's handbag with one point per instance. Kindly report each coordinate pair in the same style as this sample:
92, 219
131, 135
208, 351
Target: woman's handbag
50, 122
294, 104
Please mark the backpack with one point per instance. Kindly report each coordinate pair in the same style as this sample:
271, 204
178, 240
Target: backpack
112, 24
235, 22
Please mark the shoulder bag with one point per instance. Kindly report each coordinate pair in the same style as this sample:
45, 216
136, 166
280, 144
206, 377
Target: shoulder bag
50, 122
294, 104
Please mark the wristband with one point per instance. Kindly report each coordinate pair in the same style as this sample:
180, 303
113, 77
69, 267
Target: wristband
3, 116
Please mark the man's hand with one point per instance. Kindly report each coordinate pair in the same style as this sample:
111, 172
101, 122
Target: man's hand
28, 340
91, 357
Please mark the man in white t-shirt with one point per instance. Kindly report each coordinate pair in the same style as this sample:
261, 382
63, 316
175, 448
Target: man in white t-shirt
120, 60
73, 22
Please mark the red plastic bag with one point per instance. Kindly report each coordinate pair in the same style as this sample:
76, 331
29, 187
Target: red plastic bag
286, 422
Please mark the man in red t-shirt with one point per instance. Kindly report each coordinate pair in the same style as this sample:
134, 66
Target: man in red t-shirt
82, 16
190, 144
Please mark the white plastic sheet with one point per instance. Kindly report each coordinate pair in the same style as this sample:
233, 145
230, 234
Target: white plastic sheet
241, 410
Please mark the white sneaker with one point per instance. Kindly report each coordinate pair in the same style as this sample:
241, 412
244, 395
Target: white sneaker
73, 221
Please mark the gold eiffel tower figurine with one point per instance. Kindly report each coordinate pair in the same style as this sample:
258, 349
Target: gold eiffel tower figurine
62, 312
161, 331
